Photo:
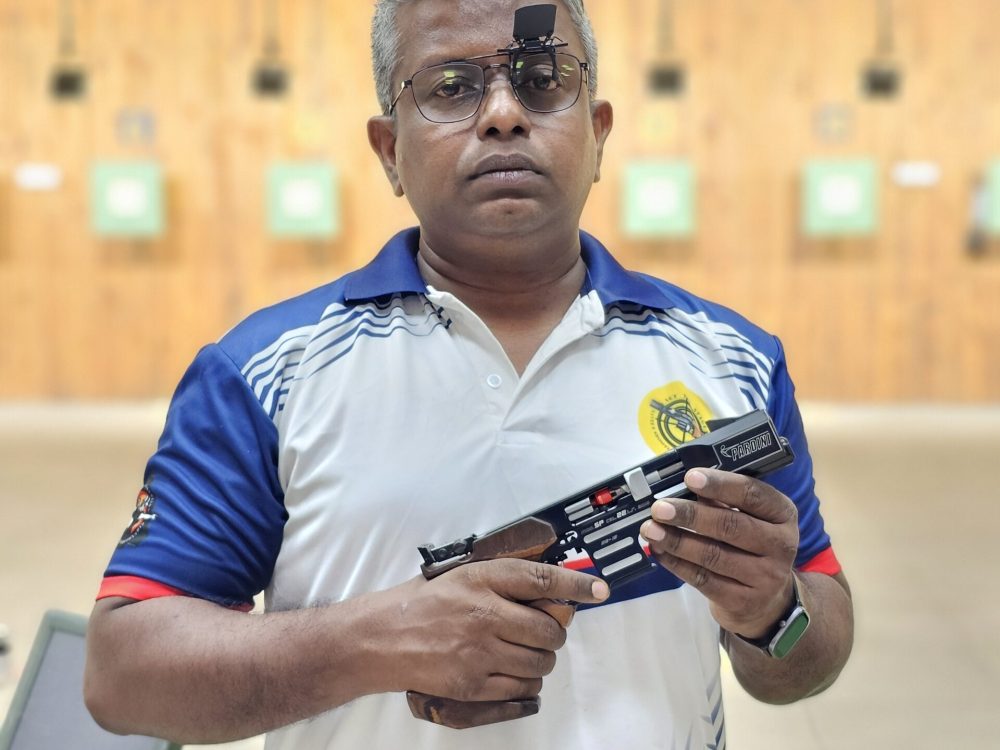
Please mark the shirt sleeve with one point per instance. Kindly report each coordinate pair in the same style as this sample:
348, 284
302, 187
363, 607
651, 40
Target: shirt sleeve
796, 480
209, 519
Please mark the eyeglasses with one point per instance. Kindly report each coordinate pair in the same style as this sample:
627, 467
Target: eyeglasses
452, 92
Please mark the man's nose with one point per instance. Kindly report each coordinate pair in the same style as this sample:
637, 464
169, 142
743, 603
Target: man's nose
501, 114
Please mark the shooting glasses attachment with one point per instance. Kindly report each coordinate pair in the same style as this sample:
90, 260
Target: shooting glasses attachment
534, 32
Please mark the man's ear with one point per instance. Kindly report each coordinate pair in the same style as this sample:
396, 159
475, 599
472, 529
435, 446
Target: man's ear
382, 138
603, 117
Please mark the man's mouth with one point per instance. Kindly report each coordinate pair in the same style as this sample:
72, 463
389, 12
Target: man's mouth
505, 167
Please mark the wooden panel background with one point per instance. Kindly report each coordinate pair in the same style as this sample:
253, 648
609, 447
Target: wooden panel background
907, 315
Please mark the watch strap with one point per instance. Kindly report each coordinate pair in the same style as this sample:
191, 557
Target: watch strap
787, 631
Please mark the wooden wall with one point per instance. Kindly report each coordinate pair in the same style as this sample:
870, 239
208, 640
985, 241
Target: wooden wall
910, 314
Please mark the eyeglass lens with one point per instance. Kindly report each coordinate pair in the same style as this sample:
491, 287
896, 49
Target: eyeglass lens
541, 82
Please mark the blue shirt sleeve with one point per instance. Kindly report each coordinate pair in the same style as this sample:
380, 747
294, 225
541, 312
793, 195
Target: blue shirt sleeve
796, 480
212, 510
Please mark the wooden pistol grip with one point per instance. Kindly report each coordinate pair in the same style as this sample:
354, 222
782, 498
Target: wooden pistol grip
464, 714
561, 612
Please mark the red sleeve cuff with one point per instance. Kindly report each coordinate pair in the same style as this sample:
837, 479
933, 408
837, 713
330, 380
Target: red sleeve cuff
141, 589
132, 587
825, 562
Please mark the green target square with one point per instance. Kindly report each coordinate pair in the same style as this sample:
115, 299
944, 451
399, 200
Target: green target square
127, 199
992, 217
658, 200
303, 200
839, 198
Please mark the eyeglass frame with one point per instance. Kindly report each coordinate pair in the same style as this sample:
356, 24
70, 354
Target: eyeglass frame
511, 54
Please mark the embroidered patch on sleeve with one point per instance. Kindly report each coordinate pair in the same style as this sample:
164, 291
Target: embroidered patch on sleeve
142, 516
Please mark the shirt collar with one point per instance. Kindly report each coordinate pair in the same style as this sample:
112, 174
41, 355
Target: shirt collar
613, 283
394, 271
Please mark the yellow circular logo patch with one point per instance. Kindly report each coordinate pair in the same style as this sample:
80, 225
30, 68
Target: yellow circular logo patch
671, 415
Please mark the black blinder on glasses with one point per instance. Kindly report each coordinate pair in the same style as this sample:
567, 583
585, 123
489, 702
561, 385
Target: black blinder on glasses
543, 79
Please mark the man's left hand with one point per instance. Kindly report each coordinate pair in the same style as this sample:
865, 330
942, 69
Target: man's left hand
736, 544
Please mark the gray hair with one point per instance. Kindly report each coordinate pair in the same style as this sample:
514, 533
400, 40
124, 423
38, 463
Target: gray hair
386, 37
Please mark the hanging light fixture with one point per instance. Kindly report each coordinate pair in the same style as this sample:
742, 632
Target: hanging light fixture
69, 79
271, 77
882, 78
667, 75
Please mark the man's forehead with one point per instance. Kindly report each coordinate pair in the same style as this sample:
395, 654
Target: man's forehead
436, 30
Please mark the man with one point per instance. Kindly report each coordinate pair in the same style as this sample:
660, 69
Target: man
480, 367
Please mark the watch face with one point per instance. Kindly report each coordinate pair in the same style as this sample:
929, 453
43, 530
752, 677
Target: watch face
790, 634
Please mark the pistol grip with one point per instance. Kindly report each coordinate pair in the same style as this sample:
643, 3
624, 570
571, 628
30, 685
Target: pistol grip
465, 714
560, 611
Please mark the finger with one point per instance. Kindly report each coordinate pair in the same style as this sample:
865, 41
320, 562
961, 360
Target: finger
521, 662
489, 685
504, 687
527, 626
740, 530
515, 622
561, 612
522, 580
750, 495
705, 552
713, 503
720, 589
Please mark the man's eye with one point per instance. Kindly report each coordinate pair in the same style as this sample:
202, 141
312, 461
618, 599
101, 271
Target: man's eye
540, 80
452, 88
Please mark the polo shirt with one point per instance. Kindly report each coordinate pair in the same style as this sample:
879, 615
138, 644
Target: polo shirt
312, 449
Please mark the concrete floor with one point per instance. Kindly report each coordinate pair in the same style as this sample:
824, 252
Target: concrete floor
911, 497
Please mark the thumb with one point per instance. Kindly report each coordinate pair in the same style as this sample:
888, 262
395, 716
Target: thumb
523, 580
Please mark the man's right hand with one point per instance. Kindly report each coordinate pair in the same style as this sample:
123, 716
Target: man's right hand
217, 675
469, 634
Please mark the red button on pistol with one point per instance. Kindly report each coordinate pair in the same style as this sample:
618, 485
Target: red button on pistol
603, 497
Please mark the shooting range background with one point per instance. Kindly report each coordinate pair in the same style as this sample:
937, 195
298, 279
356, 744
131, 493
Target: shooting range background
907, 313
97, 330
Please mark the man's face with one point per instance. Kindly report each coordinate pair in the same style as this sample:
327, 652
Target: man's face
449, 172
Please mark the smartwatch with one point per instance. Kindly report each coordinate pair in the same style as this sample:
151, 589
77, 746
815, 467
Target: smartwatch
787, 631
